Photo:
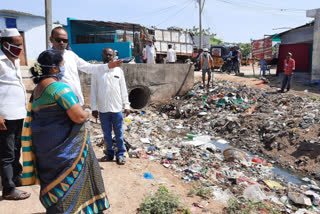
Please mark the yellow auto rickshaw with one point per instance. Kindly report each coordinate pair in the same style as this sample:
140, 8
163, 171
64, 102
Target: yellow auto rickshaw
217, 52
245, 61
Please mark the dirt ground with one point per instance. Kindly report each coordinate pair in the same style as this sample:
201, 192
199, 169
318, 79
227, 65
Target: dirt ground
126, 189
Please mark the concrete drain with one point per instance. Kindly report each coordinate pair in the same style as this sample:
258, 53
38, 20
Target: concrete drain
139, 97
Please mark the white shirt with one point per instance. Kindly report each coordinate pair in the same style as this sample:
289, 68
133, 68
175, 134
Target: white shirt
171, 55
73, 63
12, 91
150, 54
109, 91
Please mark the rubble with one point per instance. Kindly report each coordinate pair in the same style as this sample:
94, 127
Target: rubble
231, 139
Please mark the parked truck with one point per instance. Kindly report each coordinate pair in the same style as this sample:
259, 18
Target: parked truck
181, 41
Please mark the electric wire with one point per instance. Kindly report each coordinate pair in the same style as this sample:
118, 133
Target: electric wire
262, 8
158, 12
177, 13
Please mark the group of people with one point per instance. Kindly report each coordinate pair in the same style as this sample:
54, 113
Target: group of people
149, 54
53, 129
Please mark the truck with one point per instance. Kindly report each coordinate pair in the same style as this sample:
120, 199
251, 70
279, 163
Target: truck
181, 41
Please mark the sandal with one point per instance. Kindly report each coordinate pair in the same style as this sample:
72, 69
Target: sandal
17, 195
121, 161
106, 158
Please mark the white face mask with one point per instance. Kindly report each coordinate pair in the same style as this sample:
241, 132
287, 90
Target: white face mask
13, 50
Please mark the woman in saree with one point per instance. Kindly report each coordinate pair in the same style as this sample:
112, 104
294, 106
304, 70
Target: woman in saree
56, 147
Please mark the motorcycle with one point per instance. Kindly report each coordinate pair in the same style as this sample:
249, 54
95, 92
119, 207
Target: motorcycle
227, 66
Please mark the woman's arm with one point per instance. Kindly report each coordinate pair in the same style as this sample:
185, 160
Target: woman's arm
77, 114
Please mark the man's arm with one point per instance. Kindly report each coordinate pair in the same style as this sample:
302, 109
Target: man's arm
92, 68
293, 65
2, 124
94, 92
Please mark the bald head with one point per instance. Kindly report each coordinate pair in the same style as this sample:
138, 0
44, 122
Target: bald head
59, 39
56, 30
107, 55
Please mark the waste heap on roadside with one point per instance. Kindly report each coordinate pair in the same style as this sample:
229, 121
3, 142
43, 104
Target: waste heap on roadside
202, 136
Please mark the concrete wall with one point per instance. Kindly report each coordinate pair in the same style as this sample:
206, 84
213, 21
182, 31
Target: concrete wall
163, 80
316, 44
301, 35
34, 33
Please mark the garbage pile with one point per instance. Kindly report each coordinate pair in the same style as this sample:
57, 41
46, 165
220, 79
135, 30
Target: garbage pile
204, 136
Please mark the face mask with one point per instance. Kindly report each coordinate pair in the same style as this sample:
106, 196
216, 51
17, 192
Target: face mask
13, 50
61, 74
58, 75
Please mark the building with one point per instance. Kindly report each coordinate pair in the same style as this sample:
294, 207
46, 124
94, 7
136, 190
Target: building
32, 29
298, 41
88, 38
316, 44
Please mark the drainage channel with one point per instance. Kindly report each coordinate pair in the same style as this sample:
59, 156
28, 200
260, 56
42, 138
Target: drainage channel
139, 97
277, 171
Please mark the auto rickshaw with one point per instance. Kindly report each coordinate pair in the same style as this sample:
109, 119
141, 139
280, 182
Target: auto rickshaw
217, 53
245, 61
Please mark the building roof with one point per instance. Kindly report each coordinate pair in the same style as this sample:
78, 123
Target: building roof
302, 26
115, 25
19, 13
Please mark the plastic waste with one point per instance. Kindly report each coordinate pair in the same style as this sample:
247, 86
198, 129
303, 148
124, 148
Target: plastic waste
254, 193
147, 175
314, 196
233, 154
299, 198
221, 195
190, 136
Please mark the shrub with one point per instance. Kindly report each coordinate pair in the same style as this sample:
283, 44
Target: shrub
162, 202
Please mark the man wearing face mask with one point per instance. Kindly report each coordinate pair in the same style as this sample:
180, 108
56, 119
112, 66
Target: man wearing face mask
12, 113
73, 63
108, 96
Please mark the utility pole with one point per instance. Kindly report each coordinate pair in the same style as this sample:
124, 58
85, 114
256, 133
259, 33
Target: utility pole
200, 25
200, 20
48, 6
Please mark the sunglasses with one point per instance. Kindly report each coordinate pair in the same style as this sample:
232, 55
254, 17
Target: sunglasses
63, 40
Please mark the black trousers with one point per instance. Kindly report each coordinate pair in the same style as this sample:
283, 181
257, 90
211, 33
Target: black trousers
10, 146
286, 82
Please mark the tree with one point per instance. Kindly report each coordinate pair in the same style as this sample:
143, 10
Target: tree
205, 32
245, 49
56, 23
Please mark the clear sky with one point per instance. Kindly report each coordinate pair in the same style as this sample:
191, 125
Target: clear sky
232, 20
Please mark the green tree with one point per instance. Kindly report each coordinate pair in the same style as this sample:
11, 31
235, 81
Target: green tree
195, 30
245, 48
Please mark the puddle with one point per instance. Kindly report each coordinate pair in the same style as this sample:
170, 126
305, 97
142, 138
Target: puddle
278, 172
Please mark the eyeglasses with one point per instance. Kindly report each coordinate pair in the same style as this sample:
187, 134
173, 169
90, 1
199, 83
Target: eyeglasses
63, 40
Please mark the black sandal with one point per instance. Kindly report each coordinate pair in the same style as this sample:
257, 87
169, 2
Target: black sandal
106, 158
17, 195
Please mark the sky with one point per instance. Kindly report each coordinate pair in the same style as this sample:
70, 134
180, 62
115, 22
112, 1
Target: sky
231, 20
